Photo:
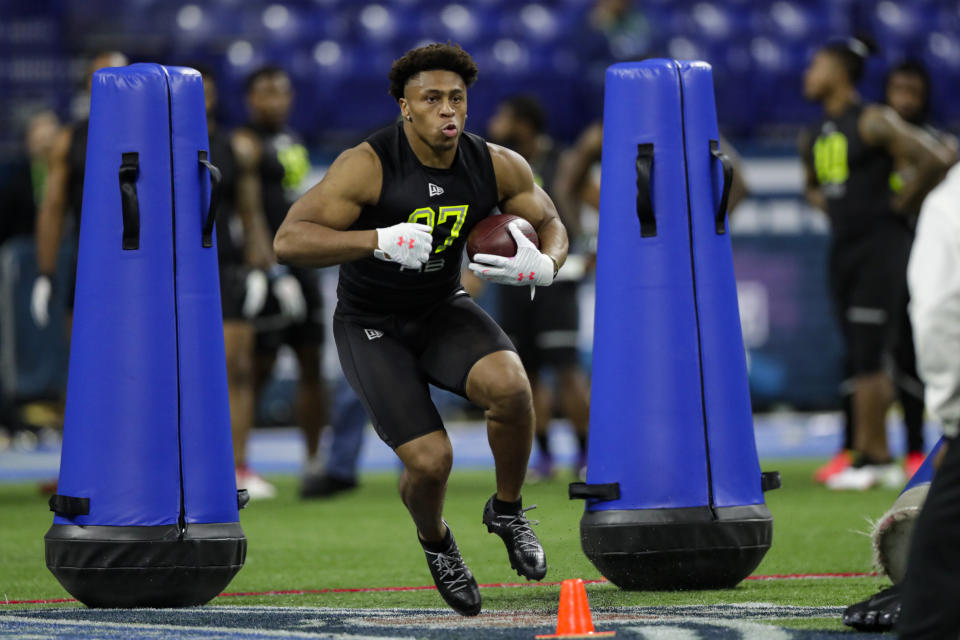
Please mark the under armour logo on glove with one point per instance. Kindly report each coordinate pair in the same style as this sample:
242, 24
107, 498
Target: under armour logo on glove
528, 266
408, 244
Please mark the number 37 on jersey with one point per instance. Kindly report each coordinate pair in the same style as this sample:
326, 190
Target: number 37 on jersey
450, 217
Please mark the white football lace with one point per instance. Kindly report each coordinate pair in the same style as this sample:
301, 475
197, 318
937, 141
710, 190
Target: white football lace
450, 570
520, 526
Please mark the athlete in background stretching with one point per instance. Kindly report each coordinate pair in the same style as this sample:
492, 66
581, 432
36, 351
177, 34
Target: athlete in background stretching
395, 212
849, 157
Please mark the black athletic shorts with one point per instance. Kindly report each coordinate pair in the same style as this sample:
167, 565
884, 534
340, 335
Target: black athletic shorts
868, 280
233, 290
545, 329
274, 329
390, 359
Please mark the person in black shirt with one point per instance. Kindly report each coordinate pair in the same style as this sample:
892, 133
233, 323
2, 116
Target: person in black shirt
22, 190
244, 254
293, 313
849, 157
395, 212
64, 193
545, 330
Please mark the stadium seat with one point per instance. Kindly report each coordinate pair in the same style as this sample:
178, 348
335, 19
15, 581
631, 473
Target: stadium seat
791, 20
759, 48
531, 23
460, 22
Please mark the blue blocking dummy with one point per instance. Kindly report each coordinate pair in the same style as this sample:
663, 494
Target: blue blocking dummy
924, 474
147, 509
893, 532
674, 491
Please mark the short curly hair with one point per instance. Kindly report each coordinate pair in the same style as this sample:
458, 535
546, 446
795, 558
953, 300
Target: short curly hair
447, 57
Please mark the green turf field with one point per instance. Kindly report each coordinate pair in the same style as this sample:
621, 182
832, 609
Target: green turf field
365, 539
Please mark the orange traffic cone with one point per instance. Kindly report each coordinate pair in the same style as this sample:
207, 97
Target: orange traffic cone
573, 617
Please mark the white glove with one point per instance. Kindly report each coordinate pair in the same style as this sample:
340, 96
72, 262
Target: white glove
256, 293
289, 294
407, 243
40, 301
527, 267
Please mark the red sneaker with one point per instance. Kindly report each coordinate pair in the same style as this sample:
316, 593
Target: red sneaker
48, 488
257, 488
912, 462
837, 463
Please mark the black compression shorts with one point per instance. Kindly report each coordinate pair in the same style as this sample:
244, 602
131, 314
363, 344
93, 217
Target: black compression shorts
233, 290
545, 329
390, 360
868, 282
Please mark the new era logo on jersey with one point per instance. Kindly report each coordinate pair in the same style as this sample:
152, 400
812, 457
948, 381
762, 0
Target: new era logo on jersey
373, 334
433, 189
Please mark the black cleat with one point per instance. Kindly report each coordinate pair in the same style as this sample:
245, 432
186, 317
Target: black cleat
453, 579
523, 548
879, 612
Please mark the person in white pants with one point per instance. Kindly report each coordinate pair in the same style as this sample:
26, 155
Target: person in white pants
923, 606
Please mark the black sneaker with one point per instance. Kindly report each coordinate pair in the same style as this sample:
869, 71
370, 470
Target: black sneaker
879, 612
318, 485
523, 548
453, 579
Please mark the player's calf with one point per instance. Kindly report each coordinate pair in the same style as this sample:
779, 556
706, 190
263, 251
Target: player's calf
427, 461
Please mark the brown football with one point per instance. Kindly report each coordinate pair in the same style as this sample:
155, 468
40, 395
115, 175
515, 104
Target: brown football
491, 235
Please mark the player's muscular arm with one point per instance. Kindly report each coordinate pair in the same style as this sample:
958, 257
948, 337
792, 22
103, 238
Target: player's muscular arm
520, 196
314, 233
811, 187
257, 249
52, 209
911, 146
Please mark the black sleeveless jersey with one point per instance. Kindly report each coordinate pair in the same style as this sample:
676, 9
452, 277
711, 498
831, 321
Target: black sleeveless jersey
451, 201
221, 155
854, 177
77, 161
284, 165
